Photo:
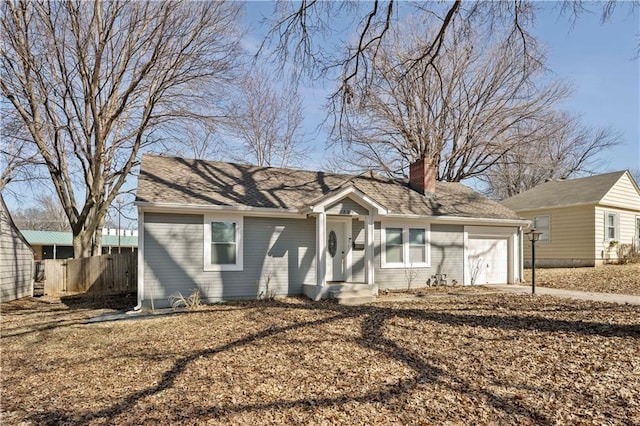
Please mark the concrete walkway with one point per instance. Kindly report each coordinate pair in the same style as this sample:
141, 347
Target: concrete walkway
493, 289
571, 294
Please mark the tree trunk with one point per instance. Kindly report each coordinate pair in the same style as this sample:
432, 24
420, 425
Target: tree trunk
83, 244
97, 248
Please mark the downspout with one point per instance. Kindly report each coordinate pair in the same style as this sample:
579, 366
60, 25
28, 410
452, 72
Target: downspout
140, 259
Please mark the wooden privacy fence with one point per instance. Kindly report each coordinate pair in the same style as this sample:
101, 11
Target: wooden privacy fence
106, 274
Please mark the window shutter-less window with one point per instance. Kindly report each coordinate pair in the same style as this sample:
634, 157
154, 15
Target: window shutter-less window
611, 226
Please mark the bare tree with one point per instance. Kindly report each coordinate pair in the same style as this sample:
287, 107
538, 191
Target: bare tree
560, 147
265, 119
47, 215
17, 153
478, 103
200, 139
300, 30
96, 82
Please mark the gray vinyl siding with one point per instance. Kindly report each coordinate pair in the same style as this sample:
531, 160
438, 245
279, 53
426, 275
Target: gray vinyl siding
16, 262
346, 206
282, 249
447, 257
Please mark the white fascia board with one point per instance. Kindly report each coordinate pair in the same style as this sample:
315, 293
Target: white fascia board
564, 206
620, 207
348, 191
201, 208
462, 220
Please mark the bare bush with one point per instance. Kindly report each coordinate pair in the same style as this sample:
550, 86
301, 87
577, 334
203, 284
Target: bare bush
177, 300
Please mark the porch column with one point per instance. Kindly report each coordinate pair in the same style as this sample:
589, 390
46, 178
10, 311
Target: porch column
321, 249
369, 253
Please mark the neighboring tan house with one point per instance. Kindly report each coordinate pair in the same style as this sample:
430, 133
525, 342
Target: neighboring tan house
235, 231
16, 259
59, 245
584, 221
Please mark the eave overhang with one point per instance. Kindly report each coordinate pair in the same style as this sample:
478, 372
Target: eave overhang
320, 204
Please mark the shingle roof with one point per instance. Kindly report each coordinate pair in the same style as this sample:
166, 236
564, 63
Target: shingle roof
557, 193
12, 224
58, 238
182, 181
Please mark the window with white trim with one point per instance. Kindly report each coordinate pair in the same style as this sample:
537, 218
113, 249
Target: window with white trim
543, 224
393, 248
611, 226
404, 246
223, 243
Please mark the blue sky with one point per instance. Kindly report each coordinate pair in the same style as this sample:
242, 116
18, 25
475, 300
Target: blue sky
600, 60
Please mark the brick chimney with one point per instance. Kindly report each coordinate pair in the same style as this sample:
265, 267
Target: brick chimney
422, 175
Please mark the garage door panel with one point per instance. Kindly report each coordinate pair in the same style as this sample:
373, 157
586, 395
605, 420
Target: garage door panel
488, 260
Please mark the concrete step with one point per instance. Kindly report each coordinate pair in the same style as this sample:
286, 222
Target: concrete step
352, 294
351, 286
341, 292
355, 300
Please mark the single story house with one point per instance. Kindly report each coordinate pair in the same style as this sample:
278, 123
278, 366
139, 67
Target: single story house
235, 231
16, 259
59, 245
584, 222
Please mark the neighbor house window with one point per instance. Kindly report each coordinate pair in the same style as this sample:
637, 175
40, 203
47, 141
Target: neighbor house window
404, 246
611, 226
223, 243
543, 224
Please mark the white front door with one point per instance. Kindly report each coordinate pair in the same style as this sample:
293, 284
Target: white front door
336, 250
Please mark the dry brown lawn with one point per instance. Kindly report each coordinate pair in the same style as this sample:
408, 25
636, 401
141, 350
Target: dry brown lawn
466, 359
619, 279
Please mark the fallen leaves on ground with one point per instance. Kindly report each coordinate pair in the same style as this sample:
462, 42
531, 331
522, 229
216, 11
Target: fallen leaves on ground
618, 279
456, 359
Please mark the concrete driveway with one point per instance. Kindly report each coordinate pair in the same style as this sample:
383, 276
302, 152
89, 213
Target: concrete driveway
571, 294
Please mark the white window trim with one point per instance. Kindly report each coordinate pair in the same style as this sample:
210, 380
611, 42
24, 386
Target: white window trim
239, 221
405, 245
616, 226
548, 240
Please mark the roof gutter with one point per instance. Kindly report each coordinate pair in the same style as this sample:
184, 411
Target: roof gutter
463, 220
565, 206
296, 213
533, 209
146, 206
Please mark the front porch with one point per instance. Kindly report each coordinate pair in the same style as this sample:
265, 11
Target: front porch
344, 246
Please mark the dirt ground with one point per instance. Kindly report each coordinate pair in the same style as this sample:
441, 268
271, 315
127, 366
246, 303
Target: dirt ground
472, 358
618, 279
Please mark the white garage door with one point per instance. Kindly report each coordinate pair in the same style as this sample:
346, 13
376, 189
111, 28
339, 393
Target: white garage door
488, 260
